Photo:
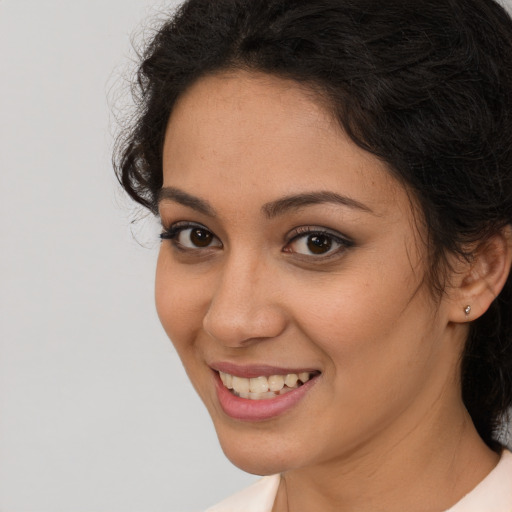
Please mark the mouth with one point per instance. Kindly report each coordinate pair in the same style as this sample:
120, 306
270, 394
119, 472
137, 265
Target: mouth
259, 393
265, 387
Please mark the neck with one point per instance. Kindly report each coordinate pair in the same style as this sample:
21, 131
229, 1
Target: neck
435, 462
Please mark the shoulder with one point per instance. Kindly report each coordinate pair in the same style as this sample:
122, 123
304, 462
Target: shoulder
259, 497
494, 493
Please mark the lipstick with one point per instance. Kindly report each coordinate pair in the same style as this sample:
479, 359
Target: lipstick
246, 409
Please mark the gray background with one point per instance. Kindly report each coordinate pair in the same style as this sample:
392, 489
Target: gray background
96, 413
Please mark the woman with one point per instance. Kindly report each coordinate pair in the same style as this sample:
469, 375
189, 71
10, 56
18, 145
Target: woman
334, 181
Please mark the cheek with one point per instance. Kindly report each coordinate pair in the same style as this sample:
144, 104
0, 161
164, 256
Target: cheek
368, 325
379, 355
179, 302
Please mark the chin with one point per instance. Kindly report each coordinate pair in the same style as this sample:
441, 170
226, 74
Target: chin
259, 452
255, 462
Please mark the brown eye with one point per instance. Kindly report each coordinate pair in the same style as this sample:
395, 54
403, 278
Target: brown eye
196, 238
319, 244
200, 237
312, 242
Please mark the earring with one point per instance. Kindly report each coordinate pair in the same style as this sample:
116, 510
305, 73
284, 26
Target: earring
467, 310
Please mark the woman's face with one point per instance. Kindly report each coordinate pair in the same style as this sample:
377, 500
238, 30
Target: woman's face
290, 251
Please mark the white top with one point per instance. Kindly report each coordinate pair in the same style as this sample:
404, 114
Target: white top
492, 494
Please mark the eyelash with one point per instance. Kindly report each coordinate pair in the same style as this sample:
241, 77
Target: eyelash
305, 232
174, 231
343, 242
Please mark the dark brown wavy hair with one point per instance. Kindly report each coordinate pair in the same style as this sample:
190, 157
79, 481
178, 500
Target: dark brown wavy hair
425, 86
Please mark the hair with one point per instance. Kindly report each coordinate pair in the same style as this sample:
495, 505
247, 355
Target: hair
427, 88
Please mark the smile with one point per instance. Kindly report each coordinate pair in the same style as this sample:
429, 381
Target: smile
260, 393
264, 388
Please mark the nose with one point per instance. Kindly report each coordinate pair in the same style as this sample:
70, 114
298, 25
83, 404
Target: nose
245, 306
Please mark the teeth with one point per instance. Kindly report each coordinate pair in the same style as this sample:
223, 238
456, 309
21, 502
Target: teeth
259, 388
240, 385
258, 396
304, 377
276, 382
226, 379
258, 385
291, 379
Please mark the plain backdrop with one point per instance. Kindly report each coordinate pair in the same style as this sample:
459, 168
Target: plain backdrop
96, 413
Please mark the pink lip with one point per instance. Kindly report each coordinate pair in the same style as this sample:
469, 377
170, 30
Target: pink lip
258, 410
253, 371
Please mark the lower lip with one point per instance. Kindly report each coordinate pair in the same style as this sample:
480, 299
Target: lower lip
258, 410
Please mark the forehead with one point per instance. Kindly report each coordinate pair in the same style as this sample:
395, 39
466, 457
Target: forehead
263, 137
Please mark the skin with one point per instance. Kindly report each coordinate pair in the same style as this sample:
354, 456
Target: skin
384, 427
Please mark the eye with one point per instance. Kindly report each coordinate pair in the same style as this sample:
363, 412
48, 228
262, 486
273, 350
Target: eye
313, 241
190, 236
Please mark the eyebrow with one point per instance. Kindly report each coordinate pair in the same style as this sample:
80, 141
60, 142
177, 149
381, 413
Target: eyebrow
272, 209
295, 202
181, 197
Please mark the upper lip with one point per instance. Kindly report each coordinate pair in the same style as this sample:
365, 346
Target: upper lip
256, 370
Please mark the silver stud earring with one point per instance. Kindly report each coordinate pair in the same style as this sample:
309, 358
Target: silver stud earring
467, 310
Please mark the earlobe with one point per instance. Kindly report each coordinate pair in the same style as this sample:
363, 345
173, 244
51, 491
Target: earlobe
483, 277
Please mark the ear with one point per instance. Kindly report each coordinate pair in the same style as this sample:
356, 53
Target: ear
481, 279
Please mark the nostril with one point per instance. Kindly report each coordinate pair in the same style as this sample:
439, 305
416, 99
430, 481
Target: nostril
243, 322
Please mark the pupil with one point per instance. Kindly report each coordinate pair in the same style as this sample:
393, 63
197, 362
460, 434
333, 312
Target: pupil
319, 244
200, 237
